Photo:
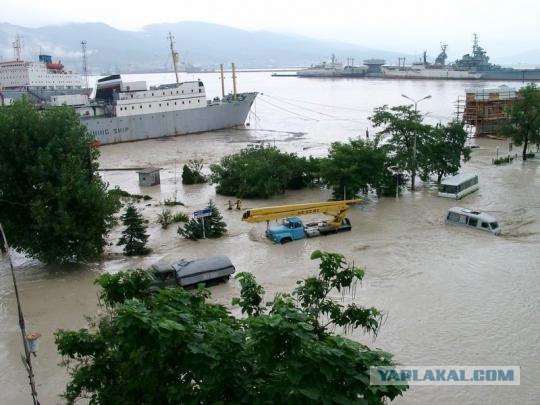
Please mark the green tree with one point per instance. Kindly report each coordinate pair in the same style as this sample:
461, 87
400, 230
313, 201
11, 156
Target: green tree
214, 226
134, 236
524, 118
354, 166
260, 171
442, 150
192, 172
181, 347
406, 129
53, 204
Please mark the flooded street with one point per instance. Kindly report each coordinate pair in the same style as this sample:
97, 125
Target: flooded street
452, 296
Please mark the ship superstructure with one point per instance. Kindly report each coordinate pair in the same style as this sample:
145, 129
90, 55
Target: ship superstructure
333, 69
425, 70
473, 66
38, 80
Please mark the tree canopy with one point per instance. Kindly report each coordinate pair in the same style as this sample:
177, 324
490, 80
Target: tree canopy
134, 236
442, 150
355, 166
53, 204
180, 347
261, 171
405, 128
524, 118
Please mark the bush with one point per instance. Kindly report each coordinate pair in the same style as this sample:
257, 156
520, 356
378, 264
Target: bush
503, 160
260, 171
169, 202
180, 217
165, 218
191, 172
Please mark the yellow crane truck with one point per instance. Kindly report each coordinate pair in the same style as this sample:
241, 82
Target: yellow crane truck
292, 227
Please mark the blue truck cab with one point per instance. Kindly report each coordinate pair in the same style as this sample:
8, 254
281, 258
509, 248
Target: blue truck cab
291, 228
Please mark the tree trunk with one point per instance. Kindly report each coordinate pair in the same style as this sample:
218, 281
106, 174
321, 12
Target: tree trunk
525, 144
413, 179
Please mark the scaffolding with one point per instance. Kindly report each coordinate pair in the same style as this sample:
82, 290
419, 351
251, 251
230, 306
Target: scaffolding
487, 109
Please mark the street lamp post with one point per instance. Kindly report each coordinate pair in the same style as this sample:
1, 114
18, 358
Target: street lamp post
414, 138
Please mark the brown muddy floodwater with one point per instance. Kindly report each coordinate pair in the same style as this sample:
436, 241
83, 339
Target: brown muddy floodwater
452, 296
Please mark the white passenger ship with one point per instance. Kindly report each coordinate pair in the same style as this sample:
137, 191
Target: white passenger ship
37, 80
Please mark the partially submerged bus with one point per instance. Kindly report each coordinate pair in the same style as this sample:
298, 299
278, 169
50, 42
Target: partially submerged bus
474, 219
458, 186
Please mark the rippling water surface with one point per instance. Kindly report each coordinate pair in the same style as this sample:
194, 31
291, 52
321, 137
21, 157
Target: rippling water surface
452, 296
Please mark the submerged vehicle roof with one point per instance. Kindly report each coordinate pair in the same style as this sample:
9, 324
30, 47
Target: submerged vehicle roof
192, 267
458, 179
472, 213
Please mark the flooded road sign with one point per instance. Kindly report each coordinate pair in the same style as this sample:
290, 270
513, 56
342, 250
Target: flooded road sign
206, 212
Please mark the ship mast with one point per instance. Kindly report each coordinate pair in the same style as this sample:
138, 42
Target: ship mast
174, 56
17, 46
475, 42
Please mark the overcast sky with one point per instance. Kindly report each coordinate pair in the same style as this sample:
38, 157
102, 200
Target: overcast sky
505, 27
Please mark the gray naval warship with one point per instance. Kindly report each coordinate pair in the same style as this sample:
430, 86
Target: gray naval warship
130, 111
472, 66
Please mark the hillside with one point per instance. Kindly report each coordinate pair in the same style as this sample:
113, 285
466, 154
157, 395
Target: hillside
201, 44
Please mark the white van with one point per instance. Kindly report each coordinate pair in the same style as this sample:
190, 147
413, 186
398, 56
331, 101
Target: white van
473, 219
458, 186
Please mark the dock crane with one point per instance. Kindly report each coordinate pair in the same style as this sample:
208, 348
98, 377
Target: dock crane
292, 227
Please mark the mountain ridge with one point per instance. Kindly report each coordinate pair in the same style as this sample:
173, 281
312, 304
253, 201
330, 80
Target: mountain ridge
200, 43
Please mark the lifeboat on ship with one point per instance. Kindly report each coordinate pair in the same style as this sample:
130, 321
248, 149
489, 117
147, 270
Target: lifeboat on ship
55, 66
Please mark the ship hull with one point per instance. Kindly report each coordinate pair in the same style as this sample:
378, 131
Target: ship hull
442, 74
41, 95
429, 74
226, 114
521, 75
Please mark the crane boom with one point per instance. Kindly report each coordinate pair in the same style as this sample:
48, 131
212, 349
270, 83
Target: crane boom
336, 208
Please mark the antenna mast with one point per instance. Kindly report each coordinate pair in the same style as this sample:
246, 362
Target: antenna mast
17, 46
174, 56
85, 65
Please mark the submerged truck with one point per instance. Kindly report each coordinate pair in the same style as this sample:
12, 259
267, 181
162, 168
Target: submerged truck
293, 228
190, 272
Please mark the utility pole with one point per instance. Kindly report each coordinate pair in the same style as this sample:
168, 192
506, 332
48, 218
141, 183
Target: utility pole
174, 56
85, 63
413, 177
27, 360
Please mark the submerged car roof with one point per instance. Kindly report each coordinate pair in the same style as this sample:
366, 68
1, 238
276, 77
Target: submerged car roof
186, 268
472, 213
458, 179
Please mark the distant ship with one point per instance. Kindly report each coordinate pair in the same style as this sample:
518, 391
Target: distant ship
39, 81
333, 69
130, 111
475, 66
